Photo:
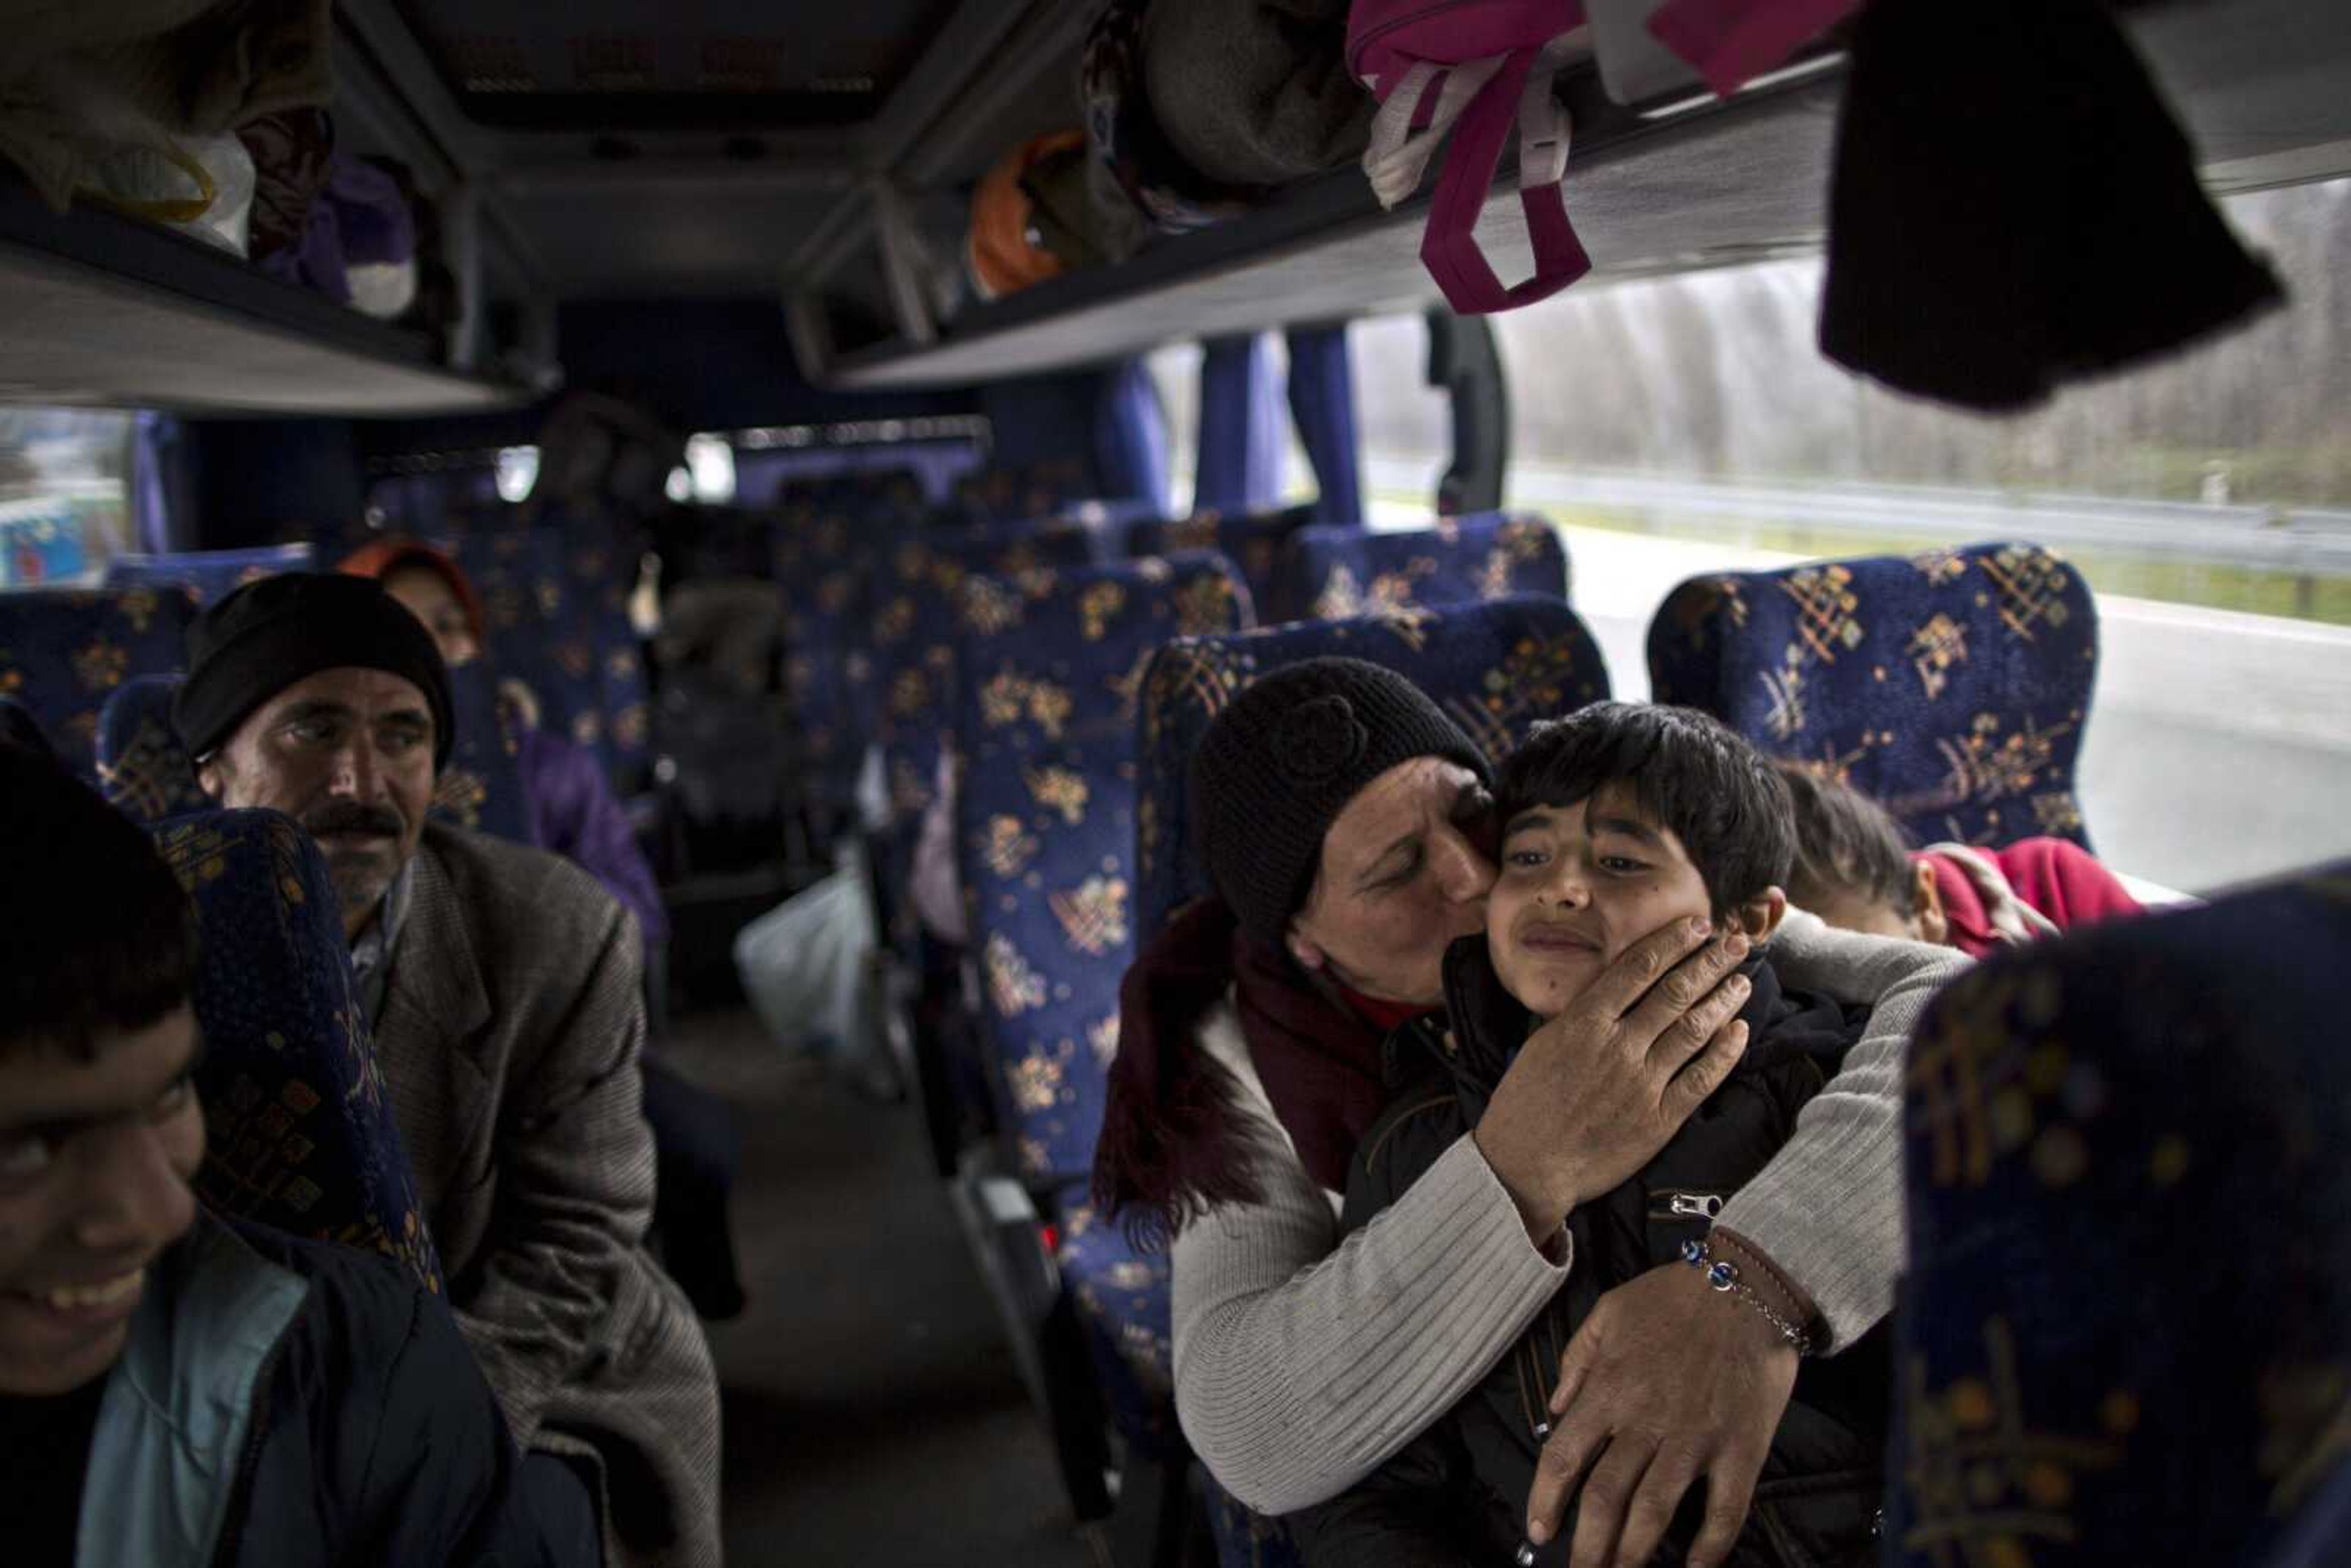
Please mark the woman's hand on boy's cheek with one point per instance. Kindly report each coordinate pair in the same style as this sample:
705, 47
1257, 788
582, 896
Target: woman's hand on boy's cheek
1665, 1382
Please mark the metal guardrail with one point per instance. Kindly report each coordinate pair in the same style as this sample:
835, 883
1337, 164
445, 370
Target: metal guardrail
2302, 542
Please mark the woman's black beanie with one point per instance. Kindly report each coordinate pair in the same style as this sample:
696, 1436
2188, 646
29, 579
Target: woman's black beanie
1282, 761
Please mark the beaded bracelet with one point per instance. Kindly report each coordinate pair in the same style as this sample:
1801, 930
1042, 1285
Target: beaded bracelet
1722, 1274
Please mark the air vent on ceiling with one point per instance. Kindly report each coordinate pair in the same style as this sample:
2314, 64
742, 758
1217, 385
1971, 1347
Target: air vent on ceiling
741, 65
615, 64
491, 62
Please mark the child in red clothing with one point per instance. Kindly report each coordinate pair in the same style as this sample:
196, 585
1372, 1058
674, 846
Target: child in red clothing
1854, 869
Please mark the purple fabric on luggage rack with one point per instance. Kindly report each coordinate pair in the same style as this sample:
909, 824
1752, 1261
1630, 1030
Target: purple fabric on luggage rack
358, 220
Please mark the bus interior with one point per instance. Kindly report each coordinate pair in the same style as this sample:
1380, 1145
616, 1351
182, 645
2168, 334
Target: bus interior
882, 438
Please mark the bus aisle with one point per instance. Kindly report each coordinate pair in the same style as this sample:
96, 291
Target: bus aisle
870, 1401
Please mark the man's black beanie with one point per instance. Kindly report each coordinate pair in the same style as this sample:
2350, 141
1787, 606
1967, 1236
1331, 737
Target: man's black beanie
1279, 764
269, 634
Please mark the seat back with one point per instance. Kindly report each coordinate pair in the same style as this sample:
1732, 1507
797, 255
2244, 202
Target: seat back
481, 786
1335, 572
142, 768
599, 574
915, 628
1015, 494
1253, 541
301, 1135
2125, 1335
1952, 686
210, 574
64, 650
556, 602
1495, 669
19, 726
1045, 823
828, 564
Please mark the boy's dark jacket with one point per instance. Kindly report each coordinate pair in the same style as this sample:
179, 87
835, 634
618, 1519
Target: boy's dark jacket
1457, 1494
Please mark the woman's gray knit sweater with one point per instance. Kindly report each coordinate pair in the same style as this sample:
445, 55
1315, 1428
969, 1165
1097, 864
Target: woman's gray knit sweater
1301, 1365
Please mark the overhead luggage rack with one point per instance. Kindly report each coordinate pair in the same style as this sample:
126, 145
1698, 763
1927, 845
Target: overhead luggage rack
2256, 83
97, 308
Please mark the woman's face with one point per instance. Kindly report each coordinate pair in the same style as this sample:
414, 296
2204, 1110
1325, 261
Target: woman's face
429, 597
1405, 869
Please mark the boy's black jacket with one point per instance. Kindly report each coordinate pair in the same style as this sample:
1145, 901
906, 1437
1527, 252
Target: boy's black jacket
1457, 1493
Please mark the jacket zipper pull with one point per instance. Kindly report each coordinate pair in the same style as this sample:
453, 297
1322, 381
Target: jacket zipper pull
1688, 1206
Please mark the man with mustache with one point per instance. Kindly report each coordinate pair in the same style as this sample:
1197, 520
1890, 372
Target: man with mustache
501, 985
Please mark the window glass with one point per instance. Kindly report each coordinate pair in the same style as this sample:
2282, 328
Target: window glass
1689, 424
710, 469
517, 472
1176, 368
64, 476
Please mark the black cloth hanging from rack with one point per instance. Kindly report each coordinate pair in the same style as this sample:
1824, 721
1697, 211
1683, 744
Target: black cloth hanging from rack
2015, 208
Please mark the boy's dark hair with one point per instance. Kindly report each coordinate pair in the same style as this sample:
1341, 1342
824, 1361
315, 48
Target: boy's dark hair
98, 933
1688, 771
1845, 842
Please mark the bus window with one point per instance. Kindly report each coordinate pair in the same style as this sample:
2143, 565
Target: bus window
64, 481
1689, 424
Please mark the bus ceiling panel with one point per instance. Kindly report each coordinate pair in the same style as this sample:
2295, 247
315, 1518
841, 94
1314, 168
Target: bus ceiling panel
2264, 87
96, 309
616, 64
696, 237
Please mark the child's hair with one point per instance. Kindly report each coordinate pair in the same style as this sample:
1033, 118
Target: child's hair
1845, 842
1688, 770
99, 935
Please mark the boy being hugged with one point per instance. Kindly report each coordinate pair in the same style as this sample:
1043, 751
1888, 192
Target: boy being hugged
1616, 822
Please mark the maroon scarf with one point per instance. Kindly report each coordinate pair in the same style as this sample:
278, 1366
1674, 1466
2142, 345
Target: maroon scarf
1169, 1148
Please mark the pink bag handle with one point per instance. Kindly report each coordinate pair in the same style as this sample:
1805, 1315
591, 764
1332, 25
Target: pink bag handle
1449, 247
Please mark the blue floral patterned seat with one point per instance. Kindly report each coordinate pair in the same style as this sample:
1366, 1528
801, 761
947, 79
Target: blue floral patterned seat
1017, 495
64, 650
1253, 541
914, 631
598, 577
18, 724
2125, 1336
301, 1136
1052, 662
827, 563
211, 574
1952, 686
481, 786
142, 768
1496, 668
558, 623
1332, 573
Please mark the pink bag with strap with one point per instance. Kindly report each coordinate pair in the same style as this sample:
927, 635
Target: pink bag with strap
1476, 67
1731, 42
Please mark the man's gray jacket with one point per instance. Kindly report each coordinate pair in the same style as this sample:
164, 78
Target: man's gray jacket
509, 1039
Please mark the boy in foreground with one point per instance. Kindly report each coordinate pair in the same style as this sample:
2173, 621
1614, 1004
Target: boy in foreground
1617, 821
177, 1390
